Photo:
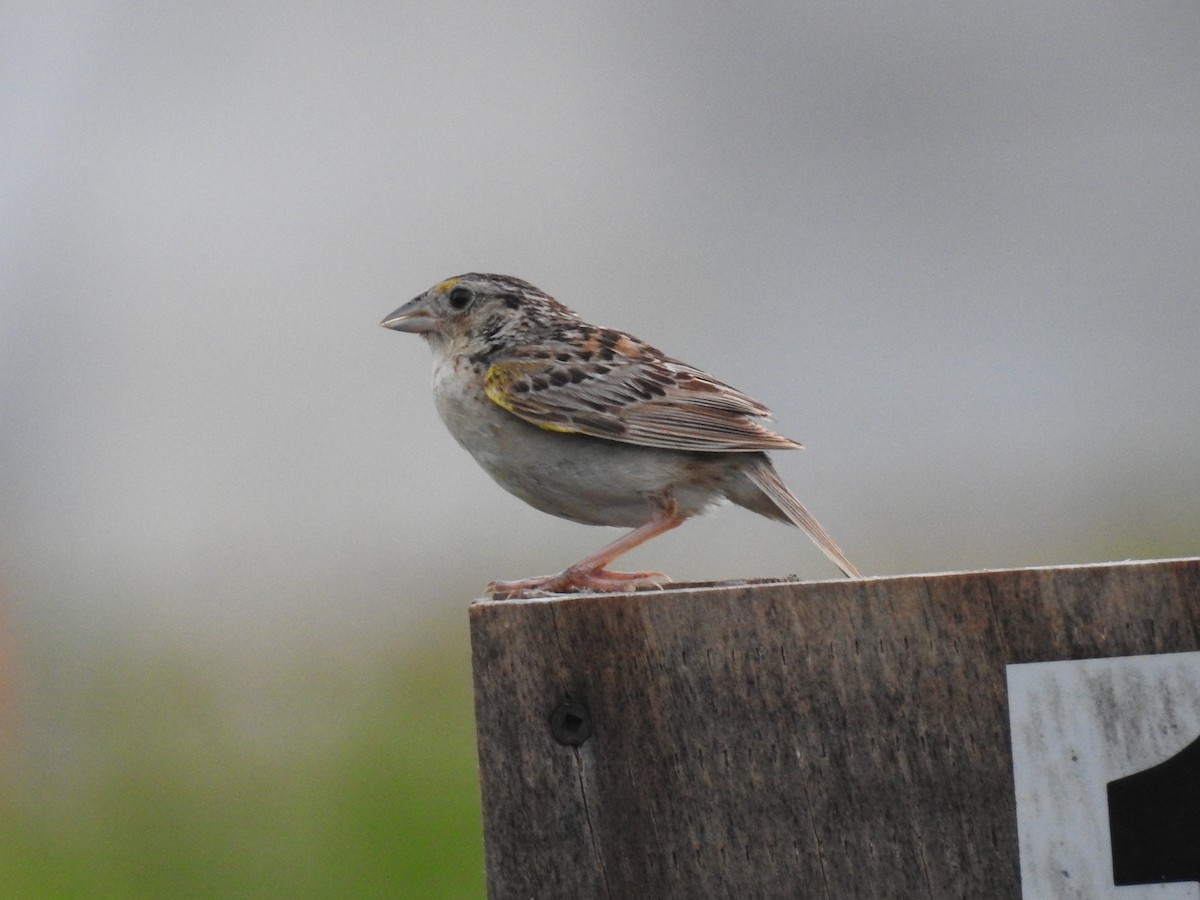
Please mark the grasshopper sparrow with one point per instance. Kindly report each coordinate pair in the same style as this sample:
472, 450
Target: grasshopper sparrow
593, 425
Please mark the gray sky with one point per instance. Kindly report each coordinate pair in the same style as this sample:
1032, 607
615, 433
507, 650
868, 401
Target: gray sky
954, 246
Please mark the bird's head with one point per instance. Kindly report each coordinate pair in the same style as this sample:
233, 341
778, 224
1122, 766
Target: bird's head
473, 309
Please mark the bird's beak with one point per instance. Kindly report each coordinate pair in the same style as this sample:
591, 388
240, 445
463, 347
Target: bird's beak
415, 317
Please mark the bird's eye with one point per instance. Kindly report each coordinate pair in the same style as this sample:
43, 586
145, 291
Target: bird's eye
460, 297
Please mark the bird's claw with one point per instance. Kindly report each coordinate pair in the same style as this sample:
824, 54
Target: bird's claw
575, 580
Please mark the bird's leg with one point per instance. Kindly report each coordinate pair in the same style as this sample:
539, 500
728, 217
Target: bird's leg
589, 573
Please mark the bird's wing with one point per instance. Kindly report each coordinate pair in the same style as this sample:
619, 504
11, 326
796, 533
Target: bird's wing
616, 387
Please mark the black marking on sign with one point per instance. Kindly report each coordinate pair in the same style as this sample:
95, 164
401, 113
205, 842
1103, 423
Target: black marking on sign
1154, 818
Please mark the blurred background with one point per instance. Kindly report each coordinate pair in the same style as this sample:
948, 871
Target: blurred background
953, 246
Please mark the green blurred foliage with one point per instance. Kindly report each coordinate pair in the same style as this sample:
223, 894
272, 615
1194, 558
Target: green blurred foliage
187, 774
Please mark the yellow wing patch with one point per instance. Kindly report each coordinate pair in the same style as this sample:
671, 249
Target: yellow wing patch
498, 385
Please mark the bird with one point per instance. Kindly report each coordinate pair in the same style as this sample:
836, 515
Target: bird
593, 425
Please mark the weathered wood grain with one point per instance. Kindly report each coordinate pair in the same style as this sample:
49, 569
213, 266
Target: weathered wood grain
785, 739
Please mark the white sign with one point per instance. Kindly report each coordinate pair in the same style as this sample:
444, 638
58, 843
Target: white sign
1076, 727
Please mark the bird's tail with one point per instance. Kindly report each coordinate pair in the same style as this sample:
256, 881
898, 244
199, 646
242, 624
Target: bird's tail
786, 507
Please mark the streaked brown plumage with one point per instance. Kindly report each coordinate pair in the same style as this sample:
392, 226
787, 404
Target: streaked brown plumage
593, 425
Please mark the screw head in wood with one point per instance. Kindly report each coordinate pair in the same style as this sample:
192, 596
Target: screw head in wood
570, 723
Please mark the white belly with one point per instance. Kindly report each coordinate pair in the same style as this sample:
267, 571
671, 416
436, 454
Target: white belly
585, 479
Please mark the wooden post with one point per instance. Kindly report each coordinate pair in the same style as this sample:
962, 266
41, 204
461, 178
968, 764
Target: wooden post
783, 739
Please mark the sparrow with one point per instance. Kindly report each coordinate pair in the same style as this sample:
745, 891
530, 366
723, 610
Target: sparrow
593, 425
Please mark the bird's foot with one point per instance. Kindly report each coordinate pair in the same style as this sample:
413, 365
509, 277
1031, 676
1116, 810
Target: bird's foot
576, 579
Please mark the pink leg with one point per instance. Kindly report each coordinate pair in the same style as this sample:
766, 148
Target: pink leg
589, 573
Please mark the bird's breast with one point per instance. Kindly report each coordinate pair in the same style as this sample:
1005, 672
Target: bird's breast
585, 479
